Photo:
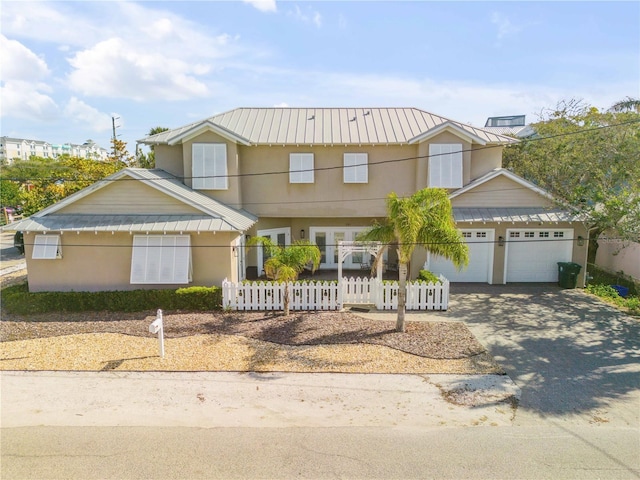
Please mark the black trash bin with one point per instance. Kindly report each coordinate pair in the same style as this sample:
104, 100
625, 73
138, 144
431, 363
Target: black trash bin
568, 274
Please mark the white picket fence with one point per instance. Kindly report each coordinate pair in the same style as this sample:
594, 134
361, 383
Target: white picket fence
333, 296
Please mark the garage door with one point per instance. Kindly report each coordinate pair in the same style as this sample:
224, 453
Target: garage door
480, 269
532, 255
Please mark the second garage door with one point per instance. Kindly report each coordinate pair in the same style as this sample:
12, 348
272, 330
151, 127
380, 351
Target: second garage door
532, 255
480, 269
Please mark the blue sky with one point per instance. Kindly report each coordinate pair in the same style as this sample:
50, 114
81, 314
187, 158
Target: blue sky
68, 67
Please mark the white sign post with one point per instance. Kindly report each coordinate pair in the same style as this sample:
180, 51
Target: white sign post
156, 327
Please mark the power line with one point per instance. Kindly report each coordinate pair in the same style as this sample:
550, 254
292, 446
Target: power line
341, 167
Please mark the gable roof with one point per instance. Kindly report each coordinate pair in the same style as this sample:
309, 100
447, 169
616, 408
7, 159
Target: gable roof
215, 216
324, 126
497, 172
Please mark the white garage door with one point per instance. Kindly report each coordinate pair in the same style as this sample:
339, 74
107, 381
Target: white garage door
480, 269
532, 255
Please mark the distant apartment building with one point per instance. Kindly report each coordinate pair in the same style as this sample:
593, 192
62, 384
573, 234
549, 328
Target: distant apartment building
12, 148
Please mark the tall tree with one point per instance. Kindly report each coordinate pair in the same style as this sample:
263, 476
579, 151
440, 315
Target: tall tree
426, 219
286, 262
590, 160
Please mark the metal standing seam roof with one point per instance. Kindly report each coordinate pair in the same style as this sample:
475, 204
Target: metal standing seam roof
326, 126
512, 215
123, 223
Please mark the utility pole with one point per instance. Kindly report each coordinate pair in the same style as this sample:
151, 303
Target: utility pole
113, 125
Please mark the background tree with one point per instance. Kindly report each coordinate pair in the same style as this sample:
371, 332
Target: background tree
590, 160
425, 218
148, 160
9, 193
45, 181
285, 263
119, 153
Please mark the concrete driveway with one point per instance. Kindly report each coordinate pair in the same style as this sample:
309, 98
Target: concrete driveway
575, 358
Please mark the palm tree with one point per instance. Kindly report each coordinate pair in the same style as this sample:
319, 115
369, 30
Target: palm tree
285, 263
629, 104
425, 218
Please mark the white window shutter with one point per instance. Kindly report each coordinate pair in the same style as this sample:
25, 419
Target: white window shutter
445, 165
161, 259
356, 168
209, 166
45, 247
301, 168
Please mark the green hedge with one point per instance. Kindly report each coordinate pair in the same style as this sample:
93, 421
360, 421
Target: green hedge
17, 299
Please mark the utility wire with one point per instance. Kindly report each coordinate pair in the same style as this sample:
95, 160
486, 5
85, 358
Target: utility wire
340, 167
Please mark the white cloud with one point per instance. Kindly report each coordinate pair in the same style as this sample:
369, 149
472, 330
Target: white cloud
505, 27
25, 100
114, 69
81, 113
263, 5
20, 63
311, 16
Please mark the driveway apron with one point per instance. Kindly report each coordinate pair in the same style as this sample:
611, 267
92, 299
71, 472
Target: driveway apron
575, 358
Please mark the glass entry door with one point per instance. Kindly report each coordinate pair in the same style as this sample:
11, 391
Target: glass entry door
327, 239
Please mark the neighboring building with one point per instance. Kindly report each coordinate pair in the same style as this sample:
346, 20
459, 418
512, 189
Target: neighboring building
291, 173
12, 148
513, 125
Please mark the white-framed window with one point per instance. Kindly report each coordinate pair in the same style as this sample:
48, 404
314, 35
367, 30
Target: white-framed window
445, 165
161, 259
301, 168
209, 166
356, 168
46, 247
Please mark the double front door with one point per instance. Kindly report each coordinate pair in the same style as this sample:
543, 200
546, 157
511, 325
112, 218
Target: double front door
327, 239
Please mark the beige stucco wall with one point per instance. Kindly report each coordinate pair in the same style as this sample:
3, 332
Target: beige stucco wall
328, 196
99, 262
128, 197
484, 159
169, 159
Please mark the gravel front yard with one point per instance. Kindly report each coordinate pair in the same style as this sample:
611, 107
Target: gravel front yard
239, 341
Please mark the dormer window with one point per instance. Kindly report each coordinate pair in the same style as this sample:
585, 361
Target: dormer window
445, 165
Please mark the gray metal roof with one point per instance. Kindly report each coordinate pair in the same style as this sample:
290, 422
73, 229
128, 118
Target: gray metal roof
324, 126
122, 223
512, 215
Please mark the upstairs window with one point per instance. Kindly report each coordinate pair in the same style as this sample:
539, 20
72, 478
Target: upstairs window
159, 259
209, 162
46, 247
445, 165
356, 168
301, 168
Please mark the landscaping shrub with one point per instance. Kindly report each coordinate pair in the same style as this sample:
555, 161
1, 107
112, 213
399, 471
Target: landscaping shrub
600, 285
17, 299
427, 276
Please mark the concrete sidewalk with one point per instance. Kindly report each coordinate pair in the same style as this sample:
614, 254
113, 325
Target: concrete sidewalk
208, 399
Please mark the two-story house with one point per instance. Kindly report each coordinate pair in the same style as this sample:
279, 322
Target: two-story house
295, 173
